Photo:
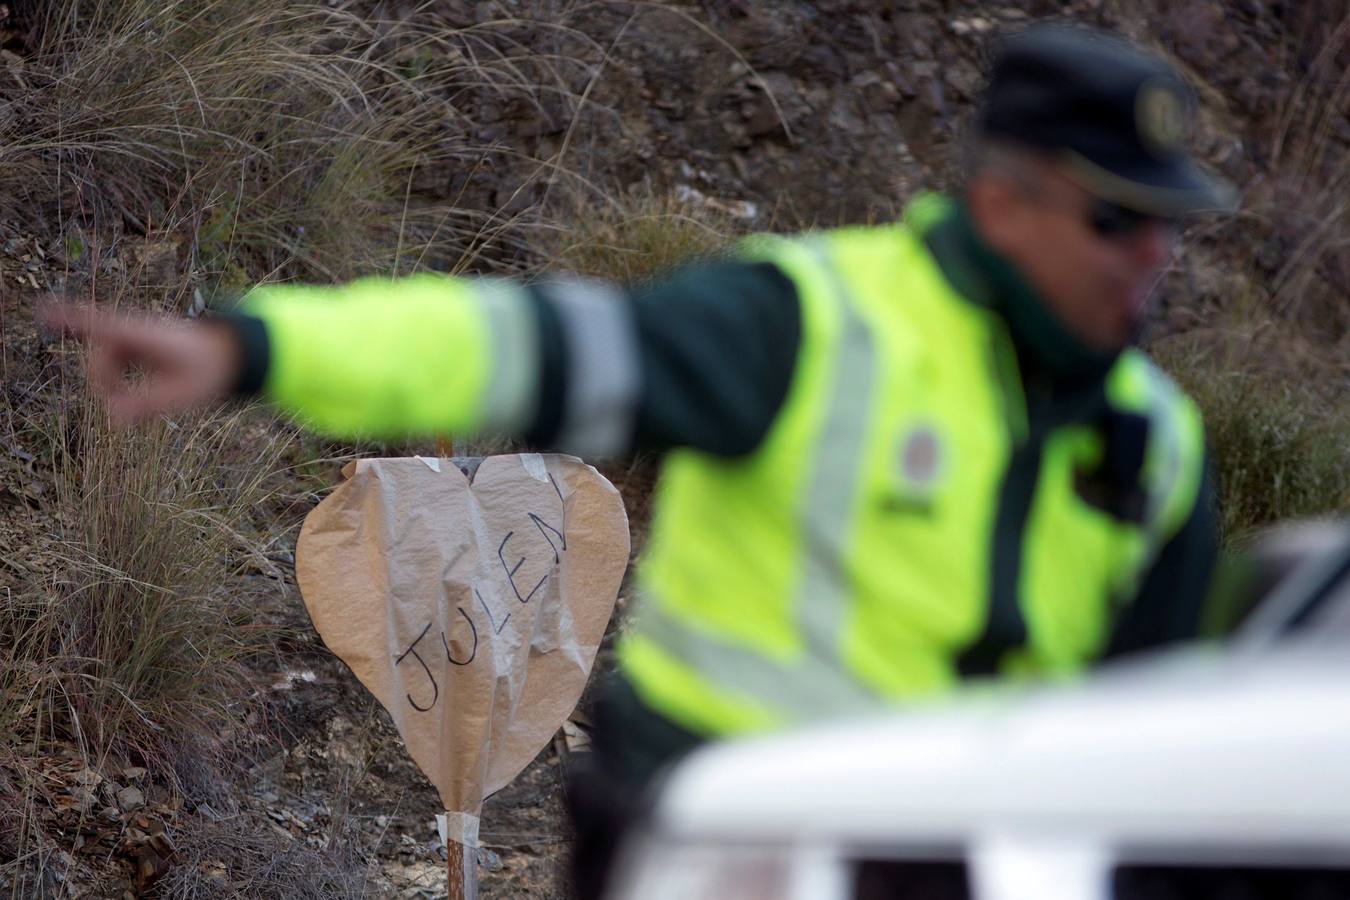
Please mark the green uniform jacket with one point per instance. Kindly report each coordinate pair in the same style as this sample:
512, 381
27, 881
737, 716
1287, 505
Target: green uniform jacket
872, 487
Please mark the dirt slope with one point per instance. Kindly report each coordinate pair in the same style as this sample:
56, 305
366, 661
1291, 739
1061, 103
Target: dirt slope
768, 115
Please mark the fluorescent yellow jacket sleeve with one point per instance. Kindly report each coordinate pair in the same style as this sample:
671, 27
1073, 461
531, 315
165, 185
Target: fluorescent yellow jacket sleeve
423, 355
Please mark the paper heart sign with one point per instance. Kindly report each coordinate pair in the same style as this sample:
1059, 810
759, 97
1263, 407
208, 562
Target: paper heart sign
471, 608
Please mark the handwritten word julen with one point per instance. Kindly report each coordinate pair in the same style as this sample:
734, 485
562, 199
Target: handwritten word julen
459, 640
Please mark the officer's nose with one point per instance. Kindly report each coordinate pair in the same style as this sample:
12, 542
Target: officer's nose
1153, 244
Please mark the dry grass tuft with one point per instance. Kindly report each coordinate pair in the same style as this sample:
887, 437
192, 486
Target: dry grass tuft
159, 519
279, 138
1277, 415
631, 239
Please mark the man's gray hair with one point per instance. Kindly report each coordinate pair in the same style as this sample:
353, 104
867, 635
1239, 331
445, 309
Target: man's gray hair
1009, 160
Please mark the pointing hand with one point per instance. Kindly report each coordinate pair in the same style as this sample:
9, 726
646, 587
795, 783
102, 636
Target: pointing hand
184, 364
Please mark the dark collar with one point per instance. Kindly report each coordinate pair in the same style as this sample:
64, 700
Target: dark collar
1045, 348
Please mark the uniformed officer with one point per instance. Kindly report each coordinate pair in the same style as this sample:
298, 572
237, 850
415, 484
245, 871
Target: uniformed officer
895, 456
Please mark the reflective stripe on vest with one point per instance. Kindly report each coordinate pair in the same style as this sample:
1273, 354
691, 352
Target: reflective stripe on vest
818, 682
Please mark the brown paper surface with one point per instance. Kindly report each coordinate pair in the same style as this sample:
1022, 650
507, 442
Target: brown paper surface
471, 612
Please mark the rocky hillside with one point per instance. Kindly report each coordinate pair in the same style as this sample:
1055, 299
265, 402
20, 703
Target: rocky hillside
154, 159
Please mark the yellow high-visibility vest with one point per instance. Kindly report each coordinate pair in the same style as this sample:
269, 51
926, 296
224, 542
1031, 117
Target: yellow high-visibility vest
848, 561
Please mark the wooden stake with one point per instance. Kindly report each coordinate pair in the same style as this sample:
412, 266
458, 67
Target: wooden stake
461, 871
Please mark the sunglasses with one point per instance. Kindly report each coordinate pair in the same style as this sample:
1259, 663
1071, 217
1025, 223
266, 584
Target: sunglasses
1111, 220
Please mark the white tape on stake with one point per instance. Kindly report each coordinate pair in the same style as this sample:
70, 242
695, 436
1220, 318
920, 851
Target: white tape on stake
461, 828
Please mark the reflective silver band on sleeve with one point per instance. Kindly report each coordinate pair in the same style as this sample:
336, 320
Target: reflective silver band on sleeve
603, 372
512, 397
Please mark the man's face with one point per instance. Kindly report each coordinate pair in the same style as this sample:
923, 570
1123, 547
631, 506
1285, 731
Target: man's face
1094, 265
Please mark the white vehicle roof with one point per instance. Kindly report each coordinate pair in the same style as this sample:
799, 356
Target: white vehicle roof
1193, 749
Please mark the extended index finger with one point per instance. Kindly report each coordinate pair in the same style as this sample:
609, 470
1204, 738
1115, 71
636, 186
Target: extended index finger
78, 320
92, 327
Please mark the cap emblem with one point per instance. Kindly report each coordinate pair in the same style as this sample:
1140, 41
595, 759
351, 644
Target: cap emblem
1160, 117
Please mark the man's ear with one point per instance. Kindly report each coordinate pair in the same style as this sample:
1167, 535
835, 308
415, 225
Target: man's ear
996, 208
